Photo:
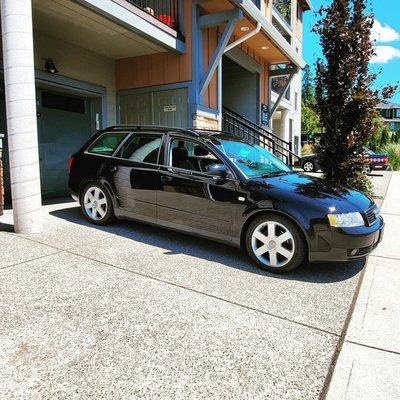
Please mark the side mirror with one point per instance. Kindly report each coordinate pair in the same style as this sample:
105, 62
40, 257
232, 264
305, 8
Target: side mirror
217, 169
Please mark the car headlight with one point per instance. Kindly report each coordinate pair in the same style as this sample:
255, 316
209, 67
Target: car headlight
347, 220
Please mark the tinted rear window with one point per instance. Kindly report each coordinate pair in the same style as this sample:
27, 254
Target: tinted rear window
107, 143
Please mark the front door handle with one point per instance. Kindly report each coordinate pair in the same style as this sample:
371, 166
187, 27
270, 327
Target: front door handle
166, 179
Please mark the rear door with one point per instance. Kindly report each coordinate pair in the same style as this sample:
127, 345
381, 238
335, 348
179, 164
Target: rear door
134, 175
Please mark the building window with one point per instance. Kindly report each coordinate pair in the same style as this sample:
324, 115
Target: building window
281, 30
257, 3
296, 101
397, 112
299, 13
278, 84
284, 8
64, 103
388, 113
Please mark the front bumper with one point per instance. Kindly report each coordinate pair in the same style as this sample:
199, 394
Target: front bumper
336, 245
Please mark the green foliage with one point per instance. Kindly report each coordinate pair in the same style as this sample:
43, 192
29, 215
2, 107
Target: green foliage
307, 86
309, 119
381, 137
345, 99
393, 152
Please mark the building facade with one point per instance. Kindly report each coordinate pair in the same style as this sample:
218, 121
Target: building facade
181, 63
390, 114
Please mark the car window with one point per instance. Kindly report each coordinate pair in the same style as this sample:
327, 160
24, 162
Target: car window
107, 143
190, 155
141, 148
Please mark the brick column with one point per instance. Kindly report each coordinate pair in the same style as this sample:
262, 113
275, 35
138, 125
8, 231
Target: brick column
19, 82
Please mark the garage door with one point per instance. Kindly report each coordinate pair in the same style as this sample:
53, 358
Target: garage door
64, 124
164, 107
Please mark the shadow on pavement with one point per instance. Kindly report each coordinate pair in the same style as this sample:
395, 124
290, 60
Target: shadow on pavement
179, 243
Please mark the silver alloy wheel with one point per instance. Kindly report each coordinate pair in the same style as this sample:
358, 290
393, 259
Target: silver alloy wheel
273, 244
308, 166
95, 203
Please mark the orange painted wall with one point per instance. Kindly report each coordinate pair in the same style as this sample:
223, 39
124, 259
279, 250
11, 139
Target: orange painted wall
157, 69
210, 41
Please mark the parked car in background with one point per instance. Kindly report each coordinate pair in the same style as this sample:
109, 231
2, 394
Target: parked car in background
223, 188
309, 163
376, 161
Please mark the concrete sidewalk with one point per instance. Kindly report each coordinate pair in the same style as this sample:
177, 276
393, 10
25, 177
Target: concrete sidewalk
131, 311
368, 366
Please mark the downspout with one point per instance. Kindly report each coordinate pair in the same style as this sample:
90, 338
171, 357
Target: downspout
248, 35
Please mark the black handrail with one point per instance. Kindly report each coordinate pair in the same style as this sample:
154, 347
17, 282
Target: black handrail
240, 126
166, 11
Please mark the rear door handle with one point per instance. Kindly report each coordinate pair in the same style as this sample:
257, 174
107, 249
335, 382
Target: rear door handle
114, 168
166, 179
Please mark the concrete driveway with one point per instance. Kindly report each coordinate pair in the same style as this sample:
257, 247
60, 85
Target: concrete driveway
132, 311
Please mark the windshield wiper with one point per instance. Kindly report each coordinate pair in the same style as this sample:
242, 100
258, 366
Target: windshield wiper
276, 173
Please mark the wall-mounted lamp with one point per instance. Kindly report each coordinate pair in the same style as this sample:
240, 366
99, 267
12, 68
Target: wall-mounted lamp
50, 66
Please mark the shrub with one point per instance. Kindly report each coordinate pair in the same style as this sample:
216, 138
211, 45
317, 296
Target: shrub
307, 149
393, 151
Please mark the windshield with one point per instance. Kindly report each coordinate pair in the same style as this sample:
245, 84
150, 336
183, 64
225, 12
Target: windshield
252, 160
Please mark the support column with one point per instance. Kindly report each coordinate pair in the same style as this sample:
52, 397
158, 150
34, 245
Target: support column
19, 81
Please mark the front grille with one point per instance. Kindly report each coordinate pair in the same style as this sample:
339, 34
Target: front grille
372, 215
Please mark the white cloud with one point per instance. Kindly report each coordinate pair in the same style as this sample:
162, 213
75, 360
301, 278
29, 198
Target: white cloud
384, 54
384, 33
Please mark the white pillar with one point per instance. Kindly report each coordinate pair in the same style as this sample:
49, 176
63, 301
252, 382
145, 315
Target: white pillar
19, 81
284, 128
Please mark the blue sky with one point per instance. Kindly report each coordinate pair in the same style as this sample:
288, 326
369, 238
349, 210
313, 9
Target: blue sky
387, 29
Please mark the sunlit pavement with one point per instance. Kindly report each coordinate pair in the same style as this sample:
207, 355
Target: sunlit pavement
368, 366
132, 311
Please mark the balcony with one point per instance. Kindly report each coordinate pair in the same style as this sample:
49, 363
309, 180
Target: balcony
165, 11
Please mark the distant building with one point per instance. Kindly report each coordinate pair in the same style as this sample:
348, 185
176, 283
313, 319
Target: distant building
390, 113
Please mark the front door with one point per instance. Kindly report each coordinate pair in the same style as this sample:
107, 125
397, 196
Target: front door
191, 199
135, 177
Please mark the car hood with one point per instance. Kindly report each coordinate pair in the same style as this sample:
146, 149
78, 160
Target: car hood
314, 190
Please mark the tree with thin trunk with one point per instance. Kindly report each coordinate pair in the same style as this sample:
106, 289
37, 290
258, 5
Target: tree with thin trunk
345, 100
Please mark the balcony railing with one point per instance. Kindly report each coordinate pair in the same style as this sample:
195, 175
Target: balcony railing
166, 11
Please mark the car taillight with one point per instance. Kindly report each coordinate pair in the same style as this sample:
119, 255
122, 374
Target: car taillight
70, 162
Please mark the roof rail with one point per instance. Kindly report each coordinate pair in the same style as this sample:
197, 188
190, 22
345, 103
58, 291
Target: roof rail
153, 128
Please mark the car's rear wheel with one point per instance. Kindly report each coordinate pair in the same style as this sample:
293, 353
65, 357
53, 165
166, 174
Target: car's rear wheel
275, 243
96, 204
309, 166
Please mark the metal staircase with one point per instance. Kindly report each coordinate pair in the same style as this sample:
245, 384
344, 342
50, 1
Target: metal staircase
240, 126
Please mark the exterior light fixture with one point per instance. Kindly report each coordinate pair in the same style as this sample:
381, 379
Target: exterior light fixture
50, 66
245, 28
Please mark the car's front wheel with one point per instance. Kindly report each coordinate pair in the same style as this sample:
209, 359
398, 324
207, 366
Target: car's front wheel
309, 166
96, 204
275, 243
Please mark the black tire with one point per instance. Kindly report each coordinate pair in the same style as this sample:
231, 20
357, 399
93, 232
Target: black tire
312, 167
109, 216
297, 243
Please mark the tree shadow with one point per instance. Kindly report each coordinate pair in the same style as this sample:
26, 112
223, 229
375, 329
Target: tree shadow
174, 243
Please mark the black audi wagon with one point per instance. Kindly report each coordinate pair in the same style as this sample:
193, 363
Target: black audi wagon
221, 187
